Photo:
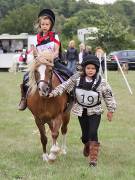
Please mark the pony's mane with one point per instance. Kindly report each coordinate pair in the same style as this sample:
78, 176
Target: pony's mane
48, 60
32, 81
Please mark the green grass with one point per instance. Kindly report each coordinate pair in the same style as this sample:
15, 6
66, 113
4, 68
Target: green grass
21, 150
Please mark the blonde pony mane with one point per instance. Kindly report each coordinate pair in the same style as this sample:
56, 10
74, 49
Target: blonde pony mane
47, 59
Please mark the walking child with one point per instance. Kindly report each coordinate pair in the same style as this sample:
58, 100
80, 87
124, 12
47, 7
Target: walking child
46, 40
90, 88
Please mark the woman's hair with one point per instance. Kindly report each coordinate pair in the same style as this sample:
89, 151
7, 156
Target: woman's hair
71, 43
37, 25
82, 46
99, 52
88, 48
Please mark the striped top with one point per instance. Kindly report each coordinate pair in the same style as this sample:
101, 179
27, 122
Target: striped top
104, 90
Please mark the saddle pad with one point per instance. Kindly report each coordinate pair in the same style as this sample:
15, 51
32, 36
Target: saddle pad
60, 76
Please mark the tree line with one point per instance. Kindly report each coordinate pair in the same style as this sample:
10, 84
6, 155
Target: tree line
115, 22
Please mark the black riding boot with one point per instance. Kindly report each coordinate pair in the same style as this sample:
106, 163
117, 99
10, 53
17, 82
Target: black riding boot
23, 103
24, 88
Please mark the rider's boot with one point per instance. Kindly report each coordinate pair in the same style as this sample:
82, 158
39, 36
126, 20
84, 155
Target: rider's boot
23, 103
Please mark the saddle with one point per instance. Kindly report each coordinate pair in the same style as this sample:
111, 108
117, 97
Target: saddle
62, 77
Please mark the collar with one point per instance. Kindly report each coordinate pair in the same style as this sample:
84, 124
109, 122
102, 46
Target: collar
41, 38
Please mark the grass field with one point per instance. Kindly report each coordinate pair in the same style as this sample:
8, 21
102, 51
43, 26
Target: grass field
21, 151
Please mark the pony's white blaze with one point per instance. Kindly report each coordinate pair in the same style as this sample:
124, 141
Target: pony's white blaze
41, 70
43, 90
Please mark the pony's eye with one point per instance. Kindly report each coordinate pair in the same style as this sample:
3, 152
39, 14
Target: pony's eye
36, 73
50, 71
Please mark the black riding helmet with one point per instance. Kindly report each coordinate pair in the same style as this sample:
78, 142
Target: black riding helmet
49, 13
91, 59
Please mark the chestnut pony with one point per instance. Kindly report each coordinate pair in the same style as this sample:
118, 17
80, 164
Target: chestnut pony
47, 110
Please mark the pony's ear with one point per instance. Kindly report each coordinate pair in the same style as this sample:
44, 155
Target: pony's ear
35, 52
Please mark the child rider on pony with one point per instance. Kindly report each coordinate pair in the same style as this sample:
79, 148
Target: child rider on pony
46, 40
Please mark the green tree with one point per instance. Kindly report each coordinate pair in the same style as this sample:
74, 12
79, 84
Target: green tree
116, 22
20, 20
112, 35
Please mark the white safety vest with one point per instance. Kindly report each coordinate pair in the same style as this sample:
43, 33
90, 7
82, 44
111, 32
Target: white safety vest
87, 98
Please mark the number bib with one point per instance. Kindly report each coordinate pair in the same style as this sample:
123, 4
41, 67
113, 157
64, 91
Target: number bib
48, 46
87, 98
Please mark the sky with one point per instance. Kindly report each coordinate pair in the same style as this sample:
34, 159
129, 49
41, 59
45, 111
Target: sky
104, 1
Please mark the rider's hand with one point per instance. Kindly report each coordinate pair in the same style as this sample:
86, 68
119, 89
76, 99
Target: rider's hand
51, 95
40, 58
35, 52
109, 116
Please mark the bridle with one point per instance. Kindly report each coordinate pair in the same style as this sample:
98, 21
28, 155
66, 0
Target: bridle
48, 83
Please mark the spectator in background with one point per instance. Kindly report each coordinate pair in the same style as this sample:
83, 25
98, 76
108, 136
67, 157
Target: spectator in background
23, 57
72, 56
100, 54
5, 45
82, 52
88, 50
64, 56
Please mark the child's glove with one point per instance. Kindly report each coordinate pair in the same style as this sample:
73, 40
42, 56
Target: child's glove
109, 116
51, 95
41, 58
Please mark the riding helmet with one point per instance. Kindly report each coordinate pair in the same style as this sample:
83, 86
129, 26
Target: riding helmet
49, 13
90, 59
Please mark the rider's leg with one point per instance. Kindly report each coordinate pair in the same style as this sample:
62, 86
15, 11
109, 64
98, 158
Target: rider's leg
63, 69
83, 120
24, 88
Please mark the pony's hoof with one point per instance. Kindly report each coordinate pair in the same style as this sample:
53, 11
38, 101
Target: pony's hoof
45, 157
63, 151
52, 157
55, 149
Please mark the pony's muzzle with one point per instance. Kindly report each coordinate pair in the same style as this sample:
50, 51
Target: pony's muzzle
43, 90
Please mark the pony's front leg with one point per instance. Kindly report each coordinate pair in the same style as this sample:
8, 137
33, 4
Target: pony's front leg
65, 121
55, 149
43, 138
63, 145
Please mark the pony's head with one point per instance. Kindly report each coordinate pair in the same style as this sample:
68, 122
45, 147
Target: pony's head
40, 76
